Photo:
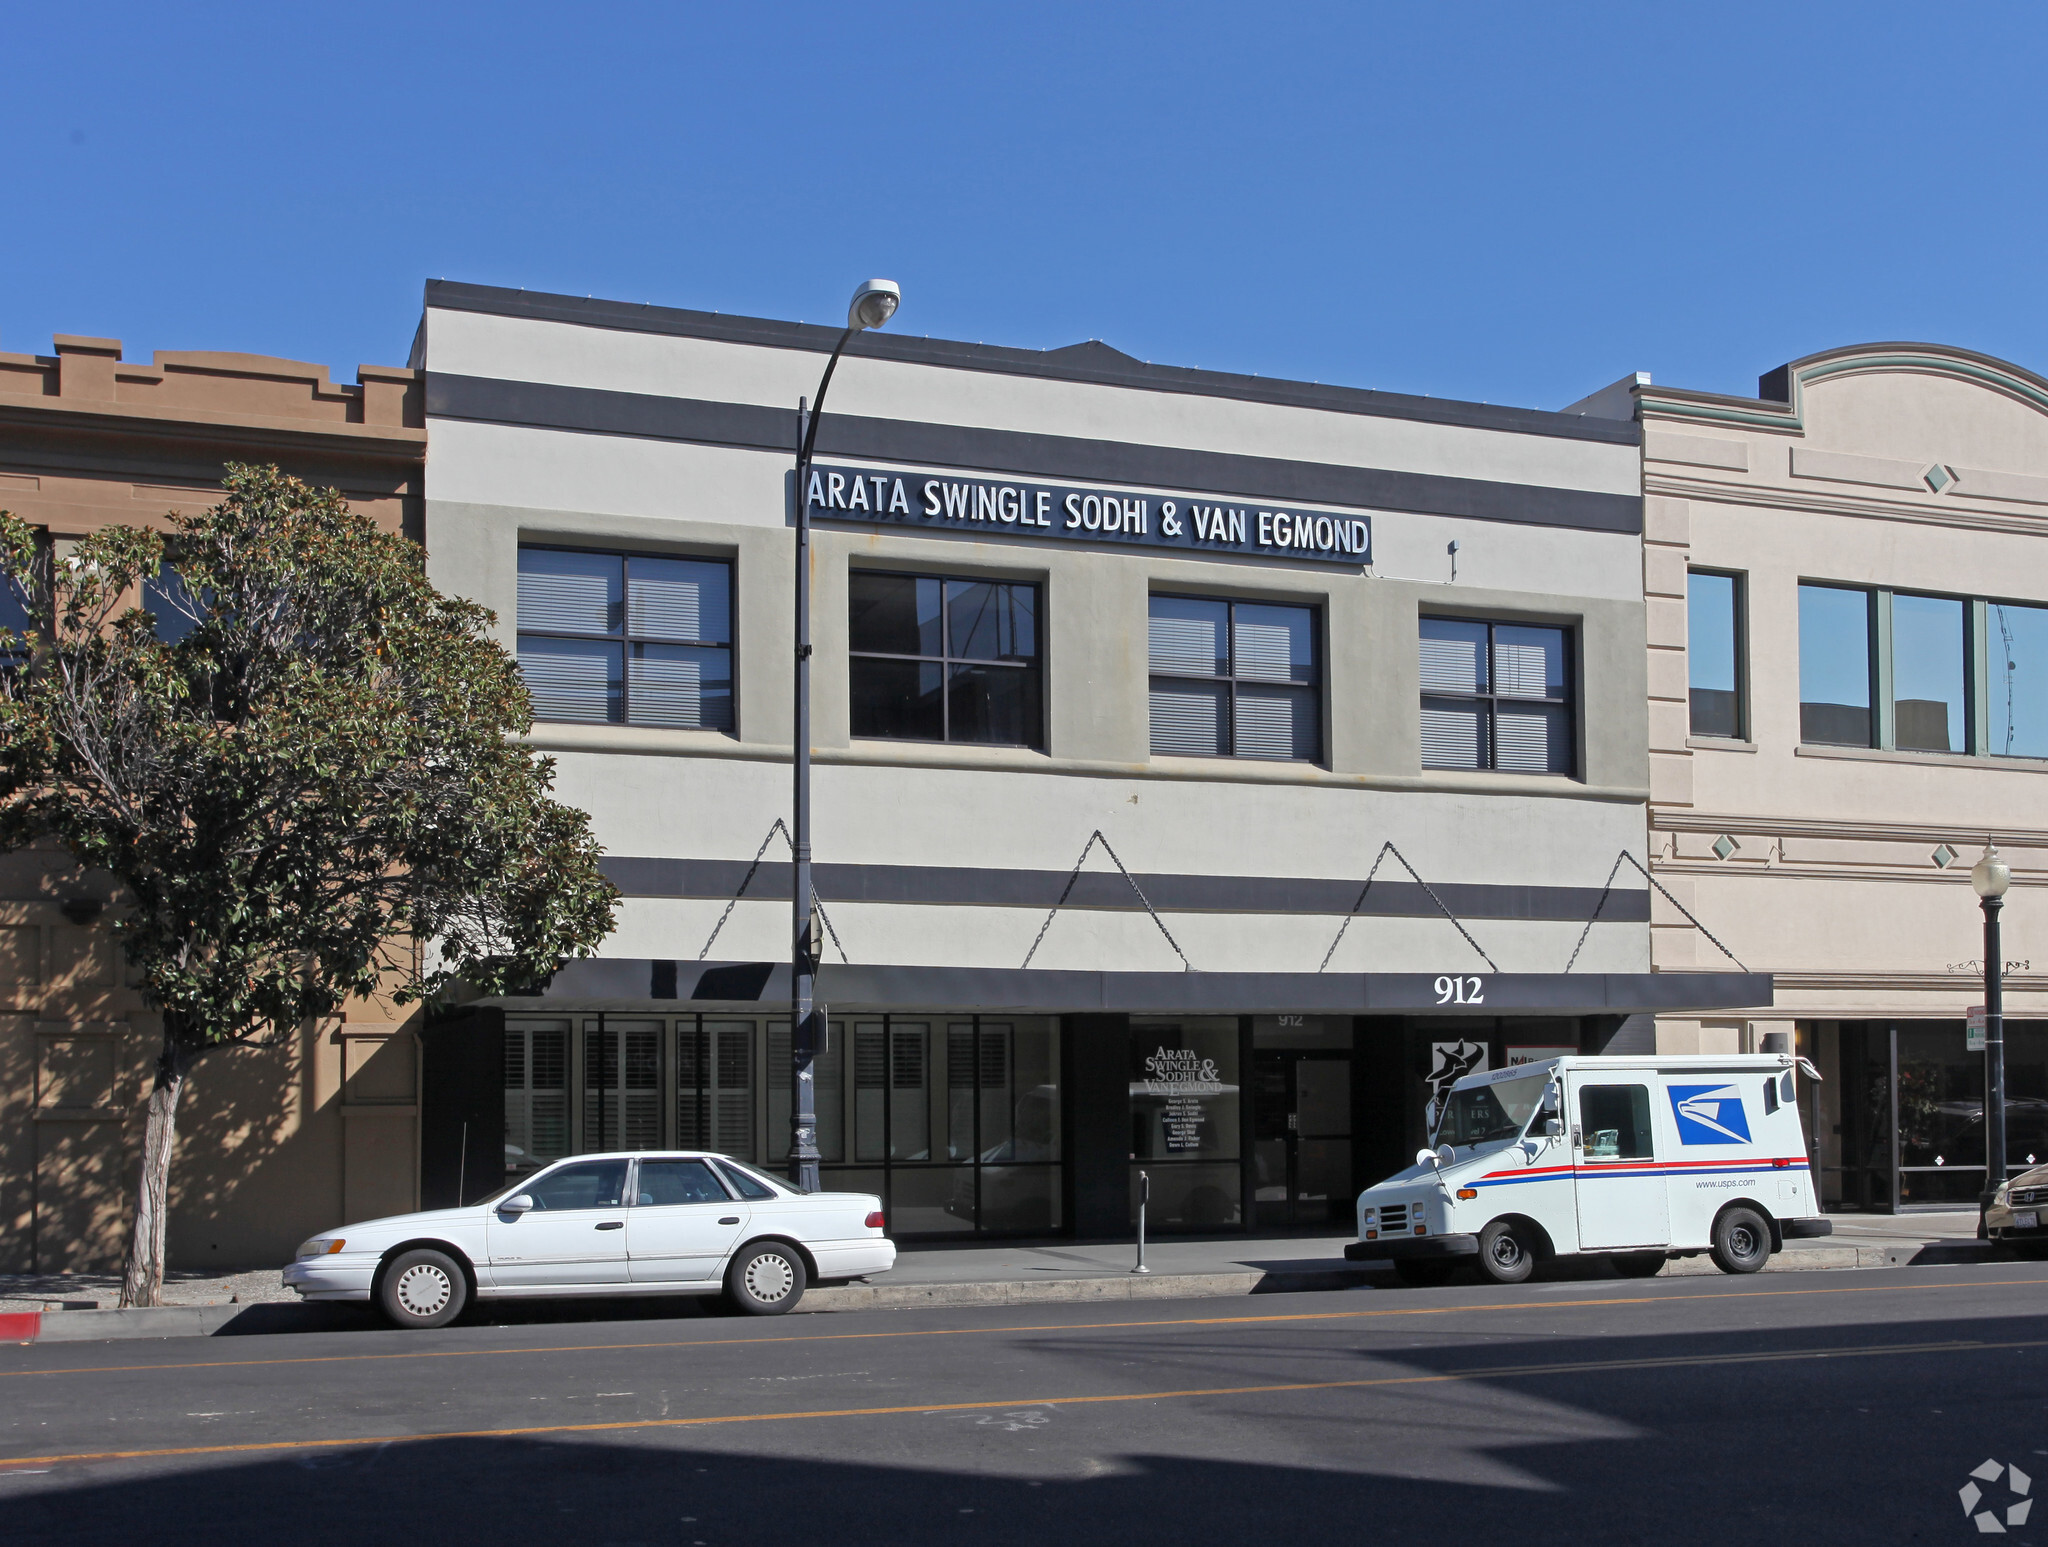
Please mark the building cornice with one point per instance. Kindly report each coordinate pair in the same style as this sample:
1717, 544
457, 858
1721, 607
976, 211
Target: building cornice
1092, 362
1781, 403
184, 426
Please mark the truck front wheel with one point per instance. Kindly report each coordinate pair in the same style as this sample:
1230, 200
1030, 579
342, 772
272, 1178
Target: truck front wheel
1505, 1254
1742, 1241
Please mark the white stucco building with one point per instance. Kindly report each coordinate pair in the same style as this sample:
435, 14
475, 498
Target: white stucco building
1251, 632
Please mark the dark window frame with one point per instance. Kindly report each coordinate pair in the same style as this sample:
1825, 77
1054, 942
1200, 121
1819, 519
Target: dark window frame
1739, 623
947, 660
1493, 698
626, 639
1231, 679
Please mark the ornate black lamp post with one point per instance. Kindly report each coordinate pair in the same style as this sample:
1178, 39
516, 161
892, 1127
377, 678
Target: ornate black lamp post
874, 303
1989, 877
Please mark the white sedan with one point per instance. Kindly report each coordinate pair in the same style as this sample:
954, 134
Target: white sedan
667, 1223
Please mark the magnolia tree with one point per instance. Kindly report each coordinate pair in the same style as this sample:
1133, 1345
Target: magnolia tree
302, 768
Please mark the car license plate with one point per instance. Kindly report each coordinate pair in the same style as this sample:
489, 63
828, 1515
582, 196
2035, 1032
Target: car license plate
2026, 1219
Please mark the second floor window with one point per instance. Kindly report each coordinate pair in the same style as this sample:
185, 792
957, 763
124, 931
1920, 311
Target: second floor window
1496, 695
938, 659
1916, 673
634, 639
1234, 679
1713, 653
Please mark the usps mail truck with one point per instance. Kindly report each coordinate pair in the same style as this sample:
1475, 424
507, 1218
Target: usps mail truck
1635, 1159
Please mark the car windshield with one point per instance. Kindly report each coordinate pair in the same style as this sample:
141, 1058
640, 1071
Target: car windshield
1481, 1114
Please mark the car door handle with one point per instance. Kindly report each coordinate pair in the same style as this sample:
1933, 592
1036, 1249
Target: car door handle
613, 1224
730, 1219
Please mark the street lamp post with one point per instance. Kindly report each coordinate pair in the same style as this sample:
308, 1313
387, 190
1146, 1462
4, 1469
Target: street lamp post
874, 303
1989, 878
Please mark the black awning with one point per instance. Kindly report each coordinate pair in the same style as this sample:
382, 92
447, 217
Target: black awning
764, 986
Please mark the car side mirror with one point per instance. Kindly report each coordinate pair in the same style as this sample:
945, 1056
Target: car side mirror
1553, 1128
518, 1203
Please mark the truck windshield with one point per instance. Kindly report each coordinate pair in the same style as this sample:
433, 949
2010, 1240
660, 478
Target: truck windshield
1481, 1114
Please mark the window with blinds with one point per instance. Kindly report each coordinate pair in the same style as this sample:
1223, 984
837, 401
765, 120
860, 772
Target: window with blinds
715, 1086
1234, 679
622, 1085
1496, 696
615, 638
536, 1095
892, 1090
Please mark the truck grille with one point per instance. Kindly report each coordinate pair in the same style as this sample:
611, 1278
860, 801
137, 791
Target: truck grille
1394, 1216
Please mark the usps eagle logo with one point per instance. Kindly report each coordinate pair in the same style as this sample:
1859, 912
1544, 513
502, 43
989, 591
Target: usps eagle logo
1709, 1114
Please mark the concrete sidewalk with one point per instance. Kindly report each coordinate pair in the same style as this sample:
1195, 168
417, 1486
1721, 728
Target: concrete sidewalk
77, 1306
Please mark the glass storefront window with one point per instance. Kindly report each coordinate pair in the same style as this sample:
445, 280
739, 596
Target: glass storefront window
1186, 1096
1939, 1107
954, 1123
715, 1086
931, 1200
622, 1085
536, 1095
1191, 1198
1184, 1089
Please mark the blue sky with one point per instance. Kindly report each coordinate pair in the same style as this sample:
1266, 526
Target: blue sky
1515, 203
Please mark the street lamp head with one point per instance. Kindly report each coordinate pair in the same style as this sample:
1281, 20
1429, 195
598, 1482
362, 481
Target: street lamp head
874, 303
1990, 876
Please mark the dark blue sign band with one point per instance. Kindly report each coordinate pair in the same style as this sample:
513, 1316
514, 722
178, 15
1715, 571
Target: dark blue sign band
1059, 513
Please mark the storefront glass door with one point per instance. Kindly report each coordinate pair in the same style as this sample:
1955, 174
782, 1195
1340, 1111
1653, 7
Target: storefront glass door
1302, 1150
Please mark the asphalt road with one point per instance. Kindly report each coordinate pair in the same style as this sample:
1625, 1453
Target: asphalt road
1814, 1407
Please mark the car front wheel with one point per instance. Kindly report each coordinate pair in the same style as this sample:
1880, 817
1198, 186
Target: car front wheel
423, 1289
765, 1280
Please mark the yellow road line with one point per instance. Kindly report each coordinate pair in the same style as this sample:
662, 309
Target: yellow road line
1497, 1372
1084, 1326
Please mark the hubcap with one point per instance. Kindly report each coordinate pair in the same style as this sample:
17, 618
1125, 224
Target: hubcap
1743, 1240
1507, 1251
424, 1290
770, 1277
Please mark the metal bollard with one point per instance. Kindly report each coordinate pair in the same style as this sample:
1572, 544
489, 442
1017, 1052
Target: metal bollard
1144, 1197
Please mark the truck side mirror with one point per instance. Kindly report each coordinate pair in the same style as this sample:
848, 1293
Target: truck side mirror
1552, 1128
1426, 1157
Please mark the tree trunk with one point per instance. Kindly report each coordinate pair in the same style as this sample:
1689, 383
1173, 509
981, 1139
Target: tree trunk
142, 1281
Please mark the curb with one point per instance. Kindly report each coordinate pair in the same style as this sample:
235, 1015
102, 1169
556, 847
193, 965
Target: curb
173, 1321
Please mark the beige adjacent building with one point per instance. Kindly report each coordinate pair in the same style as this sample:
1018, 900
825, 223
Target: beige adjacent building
272, 1144
1846, 584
